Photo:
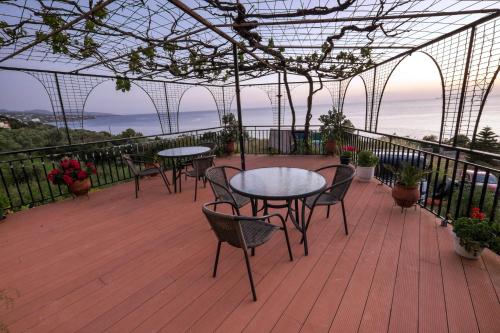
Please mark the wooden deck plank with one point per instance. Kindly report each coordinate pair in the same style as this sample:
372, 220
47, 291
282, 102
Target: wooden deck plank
277, 297
432, 308
326, 305
119, 264
353, 302
459, 308
378, 305
404, 310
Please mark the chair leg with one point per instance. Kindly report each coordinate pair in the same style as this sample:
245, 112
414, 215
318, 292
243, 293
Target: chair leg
136, 181
249, 270
328, 212
285, 229
343, 214
311, 210
217, 259
195, 187
165, 180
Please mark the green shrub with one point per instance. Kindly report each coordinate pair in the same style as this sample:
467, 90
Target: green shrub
475, 234
367, 159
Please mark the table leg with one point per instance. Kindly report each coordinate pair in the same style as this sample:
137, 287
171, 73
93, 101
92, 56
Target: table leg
174, 175
304, 228
254, 203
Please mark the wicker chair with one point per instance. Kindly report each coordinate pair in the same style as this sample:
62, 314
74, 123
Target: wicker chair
242, 232
200, 166
211, 145
333, 194
134, 161
217, 178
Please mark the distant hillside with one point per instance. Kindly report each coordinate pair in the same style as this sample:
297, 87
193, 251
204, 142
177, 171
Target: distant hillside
46, 112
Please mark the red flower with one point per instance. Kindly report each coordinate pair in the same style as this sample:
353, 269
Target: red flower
89, 165
65, 164
52, 175
477, 214
74, 164
68, 180
349, 148
82, 174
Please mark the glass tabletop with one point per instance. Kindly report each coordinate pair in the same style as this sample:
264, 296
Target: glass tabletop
277, 183
183, 151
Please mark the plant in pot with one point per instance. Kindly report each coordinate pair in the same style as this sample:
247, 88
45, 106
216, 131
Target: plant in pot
472, 234
72, 174
229, 133
347, 154
367, 161
406, 190
331, 129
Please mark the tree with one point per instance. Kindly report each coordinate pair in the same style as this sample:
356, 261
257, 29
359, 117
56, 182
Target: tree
486, 140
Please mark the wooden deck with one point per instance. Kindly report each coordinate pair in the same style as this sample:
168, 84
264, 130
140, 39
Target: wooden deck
119, 264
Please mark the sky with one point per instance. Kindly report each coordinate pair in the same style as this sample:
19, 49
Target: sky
416, 78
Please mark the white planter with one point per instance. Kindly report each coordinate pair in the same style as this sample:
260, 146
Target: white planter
365, 174
461, 251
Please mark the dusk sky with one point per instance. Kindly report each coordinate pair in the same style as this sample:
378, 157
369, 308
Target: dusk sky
415, 78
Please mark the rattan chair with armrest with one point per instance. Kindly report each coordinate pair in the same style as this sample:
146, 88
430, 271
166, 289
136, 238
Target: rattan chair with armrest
243, 232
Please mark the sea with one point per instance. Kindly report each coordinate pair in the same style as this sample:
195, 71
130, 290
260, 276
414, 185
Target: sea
415, 118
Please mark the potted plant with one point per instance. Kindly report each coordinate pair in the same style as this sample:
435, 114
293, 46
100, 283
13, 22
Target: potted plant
229, 133
406, 190
347, 154
331, 129
367, 161
472, 234
71, 174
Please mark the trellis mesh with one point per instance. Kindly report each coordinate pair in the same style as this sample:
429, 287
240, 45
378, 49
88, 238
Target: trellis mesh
157, 93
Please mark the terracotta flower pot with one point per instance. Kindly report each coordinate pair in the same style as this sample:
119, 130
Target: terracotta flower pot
80, 187
330, 147
405, 196
230, 147
461, 251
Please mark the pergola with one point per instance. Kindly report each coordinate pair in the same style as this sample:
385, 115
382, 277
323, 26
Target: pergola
167, 47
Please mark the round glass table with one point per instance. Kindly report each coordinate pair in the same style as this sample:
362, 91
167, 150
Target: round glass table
175, 154
280, 183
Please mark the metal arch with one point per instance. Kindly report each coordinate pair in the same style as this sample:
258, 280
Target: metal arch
48, 95
185, 91
483, 103
211, 94
366, 96
383, 90
154, 104
250, 86
443, 92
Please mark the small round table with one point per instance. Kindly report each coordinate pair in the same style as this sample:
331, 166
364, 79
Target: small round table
280, 183
181, 152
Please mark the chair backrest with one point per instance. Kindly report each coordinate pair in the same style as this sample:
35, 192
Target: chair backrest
342, 180
226, 227
130, 162
217, 178
201, 164
211, 145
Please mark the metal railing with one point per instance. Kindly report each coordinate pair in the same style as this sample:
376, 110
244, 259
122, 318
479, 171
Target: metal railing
455, 185
23, 174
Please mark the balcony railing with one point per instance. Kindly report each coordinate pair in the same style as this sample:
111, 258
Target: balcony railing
451, 190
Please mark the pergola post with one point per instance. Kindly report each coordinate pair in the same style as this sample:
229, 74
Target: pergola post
238, 105
279, 113
62, 108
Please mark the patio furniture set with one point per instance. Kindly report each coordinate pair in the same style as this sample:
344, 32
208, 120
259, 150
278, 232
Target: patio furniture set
292, 189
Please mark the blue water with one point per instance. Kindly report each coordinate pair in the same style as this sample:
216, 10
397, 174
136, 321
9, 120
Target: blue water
409, 118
